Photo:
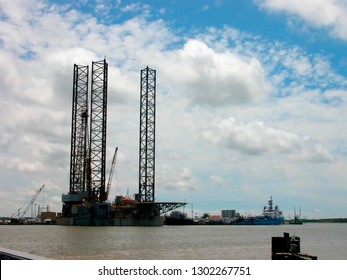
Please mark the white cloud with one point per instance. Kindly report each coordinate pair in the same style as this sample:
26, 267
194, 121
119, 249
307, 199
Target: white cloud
19, 165
173, 179
217, 180
133, 7
212, 78
329, 14
255, 138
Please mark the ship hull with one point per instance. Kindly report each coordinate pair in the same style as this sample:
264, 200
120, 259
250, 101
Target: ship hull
178, 222
126, 221
259, 221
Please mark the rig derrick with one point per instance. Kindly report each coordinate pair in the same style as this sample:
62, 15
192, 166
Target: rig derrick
87, 200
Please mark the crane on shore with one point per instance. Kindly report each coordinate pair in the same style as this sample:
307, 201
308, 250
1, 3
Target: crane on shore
19, 217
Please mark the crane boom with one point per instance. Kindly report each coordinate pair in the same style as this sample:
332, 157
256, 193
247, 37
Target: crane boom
108, 188
31, 202
19, 218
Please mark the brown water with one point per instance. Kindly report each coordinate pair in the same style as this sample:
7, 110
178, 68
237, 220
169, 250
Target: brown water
327, 241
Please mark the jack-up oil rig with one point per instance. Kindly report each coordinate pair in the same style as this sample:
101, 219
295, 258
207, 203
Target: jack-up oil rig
87, 200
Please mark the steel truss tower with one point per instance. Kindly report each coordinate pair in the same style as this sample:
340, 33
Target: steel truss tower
98, 120
147, 135
79, 129
88, 146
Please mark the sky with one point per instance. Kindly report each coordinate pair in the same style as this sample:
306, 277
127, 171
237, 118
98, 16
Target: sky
251, 100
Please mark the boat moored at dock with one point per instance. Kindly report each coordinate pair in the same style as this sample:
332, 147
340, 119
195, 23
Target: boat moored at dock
271, 215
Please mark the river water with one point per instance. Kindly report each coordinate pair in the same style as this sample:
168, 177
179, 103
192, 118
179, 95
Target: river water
326, 241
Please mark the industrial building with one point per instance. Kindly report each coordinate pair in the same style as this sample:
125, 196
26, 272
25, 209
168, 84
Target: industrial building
228, 216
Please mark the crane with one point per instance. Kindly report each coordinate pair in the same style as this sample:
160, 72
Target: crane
20, 216
108, 188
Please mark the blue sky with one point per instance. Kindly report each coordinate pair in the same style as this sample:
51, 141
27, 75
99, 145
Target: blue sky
251, 99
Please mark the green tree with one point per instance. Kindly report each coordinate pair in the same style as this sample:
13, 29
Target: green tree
205, 215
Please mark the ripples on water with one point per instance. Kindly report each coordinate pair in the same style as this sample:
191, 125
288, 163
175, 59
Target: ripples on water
327, 241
